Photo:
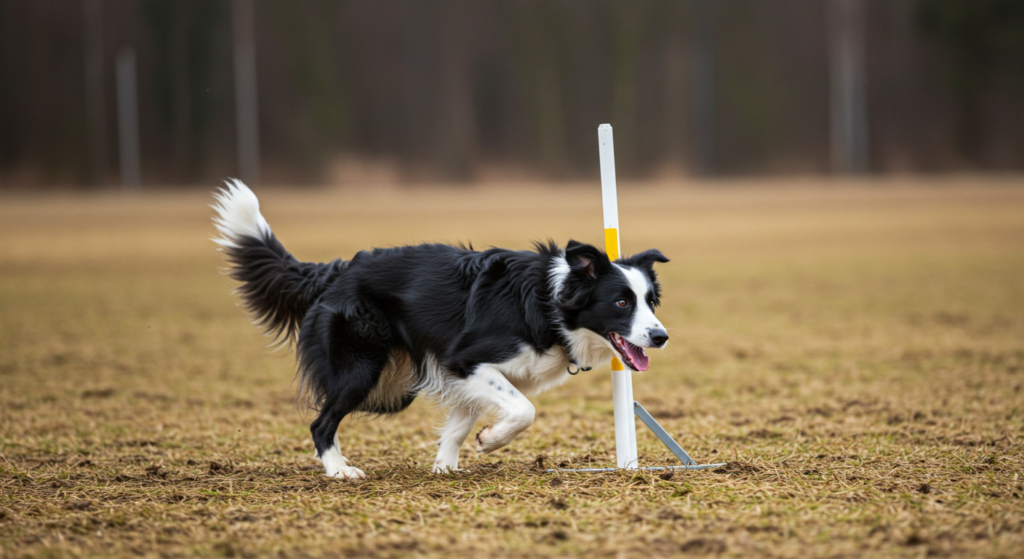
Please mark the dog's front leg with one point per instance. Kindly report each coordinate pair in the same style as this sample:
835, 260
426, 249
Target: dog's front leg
456, 429
488, 390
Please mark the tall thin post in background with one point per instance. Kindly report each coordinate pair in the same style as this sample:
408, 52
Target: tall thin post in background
95, 106
246, 108
414, 78
456, 141
674, 120
848, 120
128, 119
702, 80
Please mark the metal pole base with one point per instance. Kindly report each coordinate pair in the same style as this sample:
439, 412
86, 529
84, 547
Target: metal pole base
663, 436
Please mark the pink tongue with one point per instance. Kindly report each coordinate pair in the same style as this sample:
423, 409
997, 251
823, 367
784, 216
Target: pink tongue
637, 356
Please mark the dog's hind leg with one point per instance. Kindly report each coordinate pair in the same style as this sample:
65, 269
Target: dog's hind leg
348, 390
460, 422
488, 390
336, 465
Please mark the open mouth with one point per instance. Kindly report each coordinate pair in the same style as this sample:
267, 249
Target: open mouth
632, 355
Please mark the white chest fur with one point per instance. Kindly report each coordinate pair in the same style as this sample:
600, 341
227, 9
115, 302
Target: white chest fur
532, 372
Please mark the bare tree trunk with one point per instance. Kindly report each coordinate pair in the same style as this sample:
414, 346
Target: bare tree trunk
674, 121
537, 25
415, 79
95, 103
128, 119
246, 107
626, 33
702, 80
456, 132
181, 91
702, 83
848, 120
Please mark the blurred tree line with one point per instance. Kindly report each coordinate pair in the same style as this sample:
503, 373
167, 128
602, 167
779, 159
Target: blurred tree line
447, 89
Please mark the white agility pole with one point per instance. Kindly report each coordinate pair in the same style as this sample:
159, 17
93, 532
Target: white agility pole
622, 381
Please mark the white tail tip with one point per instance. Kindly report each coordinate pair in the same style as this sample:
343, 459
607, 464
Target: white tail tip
239, 215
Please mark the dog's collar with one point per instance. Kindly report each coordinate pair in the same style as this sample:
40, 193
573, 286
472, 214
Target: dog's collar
563, 340
578, 368
573, 363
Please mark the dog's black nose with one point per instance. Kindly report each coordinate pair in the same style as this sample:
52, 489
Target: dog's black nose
658, 337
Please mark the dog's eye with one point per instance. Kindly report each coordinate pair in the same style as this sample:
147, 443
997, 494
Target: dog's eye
621, 303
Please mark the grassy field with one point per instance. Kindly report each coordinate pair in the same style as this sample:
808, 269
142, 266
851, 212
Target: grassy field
854, 351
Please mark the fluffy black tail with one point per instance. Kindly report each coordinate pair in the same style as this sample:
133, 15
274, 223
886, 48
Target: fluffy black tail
277, 288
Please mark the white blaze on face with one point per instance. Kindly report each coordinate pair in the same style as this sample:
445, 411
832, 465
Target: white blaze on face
643, 318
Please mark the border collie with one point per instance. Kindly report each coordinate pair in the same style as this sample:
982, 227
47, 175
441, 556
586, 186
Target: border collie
475, 330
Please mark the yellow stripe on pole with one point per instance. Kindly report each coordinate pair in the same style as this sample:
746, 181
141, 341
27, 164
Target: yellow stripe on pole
611, 246
611, 243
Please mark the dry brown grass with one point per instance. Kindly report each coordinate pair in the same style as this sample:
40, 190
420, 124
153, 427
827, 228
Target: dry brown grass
854, 351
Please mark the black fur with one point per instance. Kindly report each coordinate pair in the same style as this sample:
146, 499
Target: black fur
276, 287
460, 306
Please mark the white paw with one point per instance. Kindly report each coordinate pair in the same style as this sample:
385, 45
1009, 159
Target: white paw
439, 469
346, 472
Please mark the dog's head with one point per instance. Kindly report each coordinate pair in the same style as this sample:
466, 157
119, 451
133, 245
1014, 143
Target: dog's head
610, 305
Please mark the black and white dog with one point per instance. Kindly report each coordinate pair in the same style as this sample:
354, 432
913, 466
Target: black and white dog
475, 330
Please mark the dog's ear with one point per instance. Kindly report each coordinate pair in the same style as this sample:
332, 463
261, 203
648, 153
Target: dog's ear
585, 260
645, 259
586, 264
